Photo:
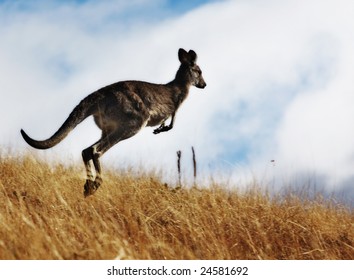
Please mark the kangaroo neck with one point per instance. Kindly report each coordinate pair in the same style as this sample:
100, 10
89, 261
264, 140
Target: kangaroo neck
179, 91
179, 87
181, 84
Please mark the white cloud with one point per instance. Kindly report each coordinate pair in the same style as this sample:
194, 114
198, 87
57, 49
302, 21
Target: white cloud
279, 77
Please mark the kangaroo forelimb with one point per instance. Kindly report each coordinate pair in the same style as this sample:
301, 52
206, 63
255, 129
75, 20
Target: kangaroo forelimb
163, 128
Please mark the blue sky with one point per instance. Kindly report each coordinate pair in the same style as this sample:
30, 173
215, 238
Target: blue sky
279, 77
166, 7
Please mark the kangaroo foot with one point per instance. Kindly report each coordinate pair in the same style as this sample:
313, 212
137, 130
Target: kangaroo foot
90, 187
98, 182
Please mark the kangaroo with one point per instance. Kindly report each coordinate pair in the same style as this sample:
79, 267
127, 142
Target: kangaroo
122, 109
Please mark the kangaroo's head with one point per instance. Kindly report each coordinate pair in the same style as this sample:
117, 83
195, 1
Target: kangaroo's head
189, 72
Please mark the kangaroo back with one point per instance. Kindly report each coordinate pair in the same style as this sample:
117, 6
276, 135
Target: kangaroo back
80, 112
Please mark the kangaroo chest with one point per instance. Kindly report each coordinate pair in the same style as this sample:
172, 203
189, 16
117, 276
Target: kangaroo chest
160, 112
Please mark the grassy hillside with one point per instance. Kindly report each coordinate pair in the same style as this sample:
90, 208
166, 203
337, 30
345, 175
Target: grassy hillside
43, 215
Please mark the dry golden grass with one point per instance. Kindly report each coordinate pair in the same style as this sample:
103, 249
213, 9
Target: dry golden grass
44, 215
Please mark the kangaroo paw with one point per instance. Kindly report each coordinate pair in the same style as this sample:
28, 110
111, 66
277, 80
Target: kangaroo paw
157, 131
162, 129
90, 188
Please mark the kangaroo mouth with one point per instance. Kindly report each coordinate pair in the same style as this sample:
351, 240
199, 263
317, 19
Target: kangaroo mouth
203, 85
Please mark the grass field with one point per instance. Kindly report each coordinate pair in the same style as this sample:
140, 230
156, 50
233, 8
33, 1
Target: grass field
43, 215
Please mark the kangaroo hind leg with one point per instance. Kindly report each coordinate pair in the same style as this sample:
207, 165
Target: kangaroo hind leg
92, 154
93, 181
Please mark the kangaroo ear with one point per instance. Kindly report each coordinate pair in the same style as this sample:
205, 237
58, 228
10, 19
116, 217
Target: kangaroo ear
192, 56
183, 56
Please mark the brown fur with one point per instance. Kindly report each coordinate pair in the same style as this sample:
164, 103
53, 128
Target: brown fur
120, 110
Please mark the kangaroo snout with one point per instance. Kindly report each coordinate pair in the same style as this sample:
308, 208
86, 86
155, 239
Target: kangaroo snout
201, 85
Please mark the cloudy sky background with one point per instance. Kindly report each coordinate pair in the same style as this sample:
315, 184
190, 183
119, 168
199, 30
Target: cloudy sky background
280, 78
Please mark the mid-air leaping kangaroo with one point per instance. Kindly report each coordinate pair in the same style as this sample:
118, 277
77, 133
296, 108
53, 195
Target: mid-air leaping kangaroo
120, 110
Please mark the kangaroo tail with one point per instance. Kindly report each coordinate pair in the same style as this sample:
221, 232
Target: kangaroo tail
79, 113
